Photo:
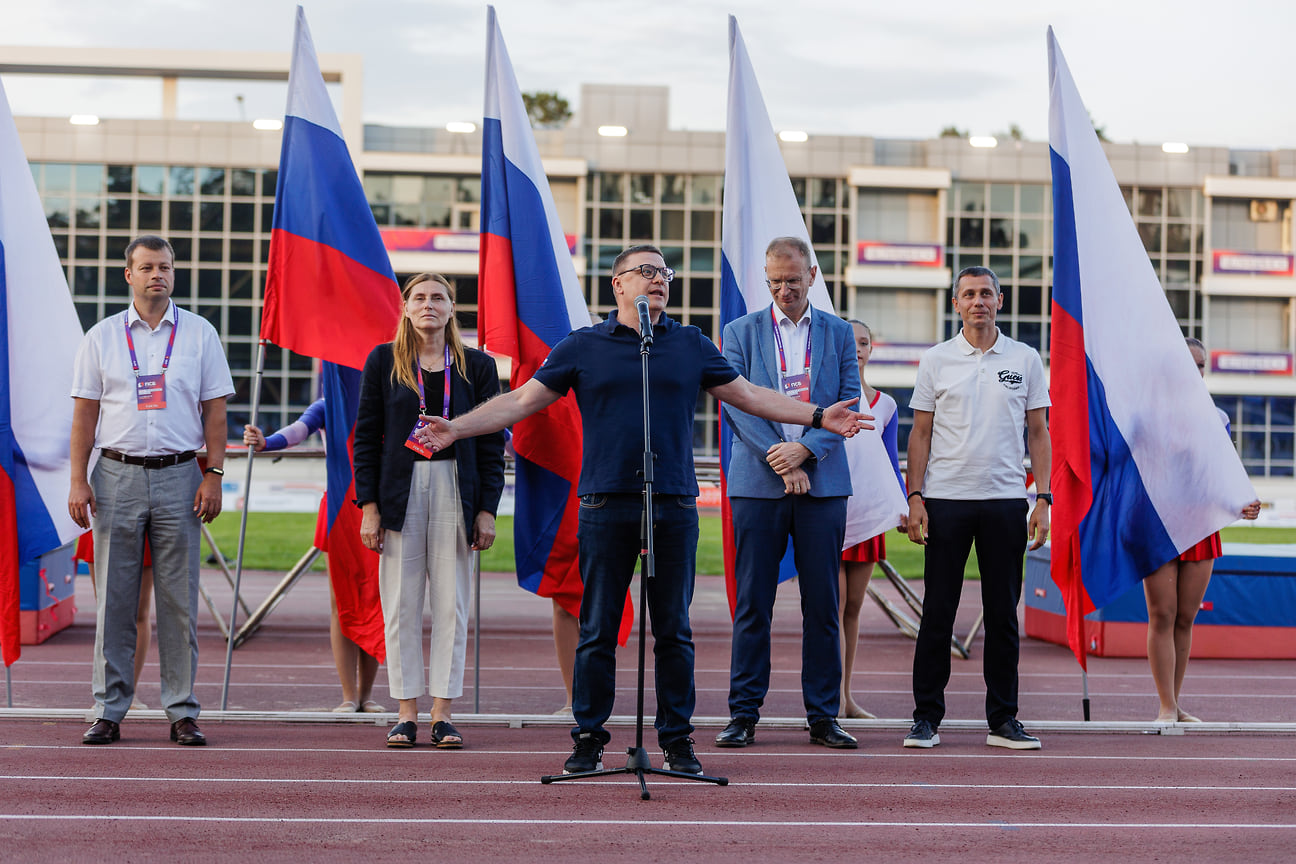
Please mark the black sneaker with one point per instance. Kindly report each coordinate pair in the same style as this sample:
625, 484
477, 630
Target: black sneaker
679, 757
922, 734
587, 755
1010, 734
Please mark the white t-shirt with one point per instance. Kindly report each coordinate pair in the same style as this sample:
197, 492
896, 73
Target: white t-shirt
979, 401
197, 372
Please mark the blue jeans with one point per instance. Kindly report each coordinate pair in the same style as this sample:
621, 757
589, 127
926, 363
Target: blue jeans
609, 549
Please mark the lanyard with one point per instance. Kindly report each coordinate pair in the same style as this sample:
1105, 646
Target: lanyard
445, 401
778, 340
130, 343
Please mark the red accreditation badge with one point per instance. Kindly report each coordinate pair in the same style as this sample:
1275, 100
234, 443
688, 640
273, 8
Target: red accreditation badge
797, 386
416, 445
150, 392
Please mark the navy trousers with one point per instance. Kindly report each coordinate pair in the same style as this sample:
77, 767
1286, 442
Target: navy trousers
762, 527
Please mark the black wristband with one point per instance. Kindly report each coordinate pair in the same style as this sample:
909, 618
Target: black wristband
919, 494
1044, 496
816, 422
219, 472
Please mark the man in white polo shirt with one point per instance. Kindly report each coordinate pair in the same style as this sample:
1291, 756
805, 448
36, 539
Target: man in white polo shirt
974, 395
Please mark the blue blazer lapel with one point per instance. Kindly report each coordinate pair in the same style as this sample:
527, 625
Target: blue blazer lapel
767, 353
818, 346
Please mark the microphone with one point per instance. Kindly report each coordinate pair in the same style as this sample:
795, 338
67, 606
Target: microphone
645, 320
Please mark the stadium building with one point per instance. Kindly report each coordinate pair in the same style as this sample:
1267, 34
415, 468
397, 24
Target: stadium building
890, 220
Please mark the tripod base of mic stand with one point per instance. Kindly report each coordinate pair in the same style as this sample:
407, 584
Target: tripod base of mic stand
637, 764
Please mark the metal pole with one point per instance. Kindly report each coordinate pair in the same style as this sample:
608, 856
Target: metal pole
238, 565
1084, 676
474, 572
8, 686
253, 623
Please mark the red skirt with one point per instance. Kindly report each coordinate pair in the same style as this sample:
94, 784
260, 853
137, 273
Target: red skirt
85, 550
869, 551
1207, 550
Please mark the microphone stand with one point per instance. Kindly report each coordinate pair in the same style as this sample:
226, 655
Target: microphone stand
637, 762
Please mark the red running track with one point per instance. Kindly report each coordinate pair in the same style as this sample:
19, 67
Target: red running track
324, 792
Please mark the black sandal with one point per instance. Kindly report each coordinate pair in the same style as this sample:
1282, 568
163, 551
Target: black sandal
442, 732
407, 728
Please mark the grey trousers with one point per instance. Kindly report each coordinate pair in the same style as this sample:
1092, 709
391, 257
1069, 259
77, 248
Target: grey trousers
131, 503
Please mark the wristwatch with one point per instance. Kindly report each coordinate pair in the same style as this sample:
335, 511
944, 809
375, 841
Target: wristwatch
1044, 496
816, 422
219, 472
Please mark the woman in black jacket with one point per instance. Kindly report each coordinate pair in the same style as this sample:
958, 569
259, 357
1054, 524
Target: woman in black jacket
422, 511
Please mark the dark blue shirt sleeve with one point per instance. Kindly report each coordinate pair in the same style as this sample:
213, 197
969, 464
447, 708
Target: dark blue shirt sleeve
715, 368
561, 367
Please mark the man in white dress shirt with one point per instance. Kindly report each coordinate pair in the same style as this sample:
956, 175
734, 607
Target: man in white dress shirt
149, 389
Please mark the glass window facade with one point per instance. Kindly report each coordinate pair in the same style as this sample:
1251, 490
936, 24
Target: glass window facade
95, 210
218, 218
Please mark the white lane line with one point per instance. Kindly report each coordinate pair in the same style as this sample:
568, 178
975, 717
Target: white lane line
861, 673
628, 687
911, 785
428, 752
648, 823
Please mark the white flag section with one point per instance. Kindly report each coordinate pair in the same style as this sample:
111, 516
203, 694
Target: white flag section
1146, 401
43, 333
879, 501
759, 203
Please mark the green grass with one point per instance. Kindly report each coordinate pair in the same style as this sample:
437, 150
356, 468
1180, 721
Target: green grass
275, 541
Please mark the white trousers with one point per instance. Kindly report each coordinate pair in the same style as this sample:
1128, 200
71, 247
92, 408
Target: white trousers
429, 555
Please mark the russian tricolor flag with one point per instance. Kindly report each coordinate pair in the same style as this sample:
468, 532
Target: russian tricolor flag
1142, 467
530, 298
759, 205
39, 334
330, 293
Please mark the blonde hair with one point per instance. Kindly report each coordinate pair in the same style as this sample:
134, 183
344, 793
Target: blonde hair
405, 347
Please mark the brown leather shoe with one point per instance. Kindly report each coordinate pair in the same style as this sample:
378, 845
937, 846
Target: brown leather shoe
185, 731
102, 732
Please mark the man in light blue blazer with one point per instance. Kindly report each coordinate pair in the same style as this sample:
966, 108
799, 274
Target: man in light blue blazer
786, 481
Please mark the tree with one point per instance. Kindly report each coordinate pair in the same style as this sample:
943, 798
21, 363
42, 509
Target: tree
546, 109
953, 132
1100, 131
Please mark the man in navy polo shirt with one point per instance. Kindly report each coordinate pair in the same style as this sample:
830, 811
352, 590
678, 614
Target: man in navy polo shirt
601, 364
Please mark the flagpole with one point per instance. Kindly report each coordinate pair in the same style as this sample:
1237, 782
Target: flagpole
1084, 676
238, 563
474, 565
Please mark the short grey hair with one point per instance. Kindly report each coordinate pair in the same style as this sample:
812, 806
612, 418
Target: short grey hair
977, 270
781, 246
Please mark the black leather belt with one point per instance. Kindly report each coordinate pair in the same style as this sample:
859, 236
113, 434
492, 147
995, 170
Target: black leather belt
149, 461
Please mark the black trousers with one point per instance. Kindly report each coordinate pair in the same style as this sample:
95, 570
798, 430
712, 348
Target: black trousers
998, 527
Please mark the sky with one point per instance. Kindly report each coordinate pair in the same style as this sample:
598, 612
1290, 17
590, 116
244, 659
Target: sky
1196, 71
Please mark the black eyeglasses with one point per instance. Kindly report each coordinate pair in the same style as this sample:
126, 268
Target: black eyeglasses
649, 272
